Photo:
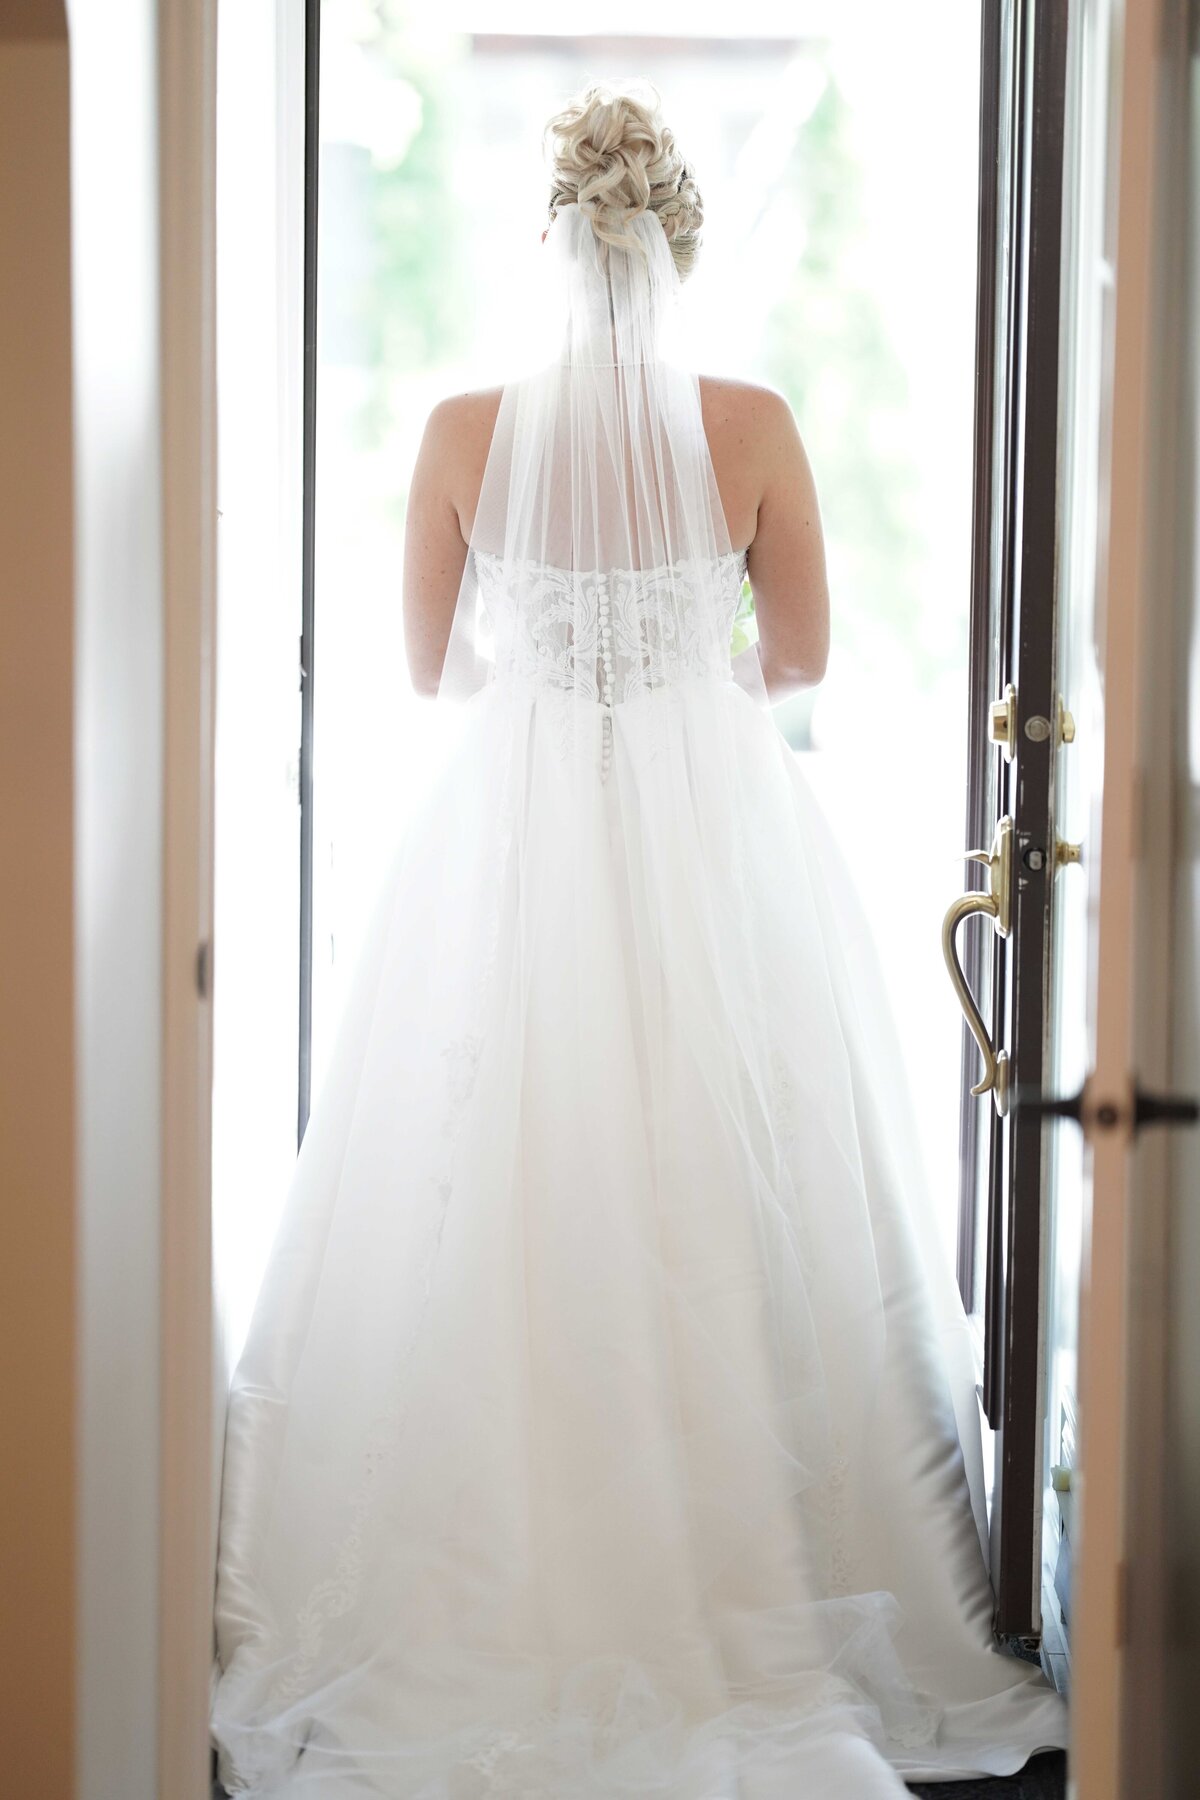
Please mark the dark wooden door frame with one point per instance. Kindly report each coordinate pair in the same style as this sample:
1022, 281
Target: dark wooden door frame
1013, 637
1031, 792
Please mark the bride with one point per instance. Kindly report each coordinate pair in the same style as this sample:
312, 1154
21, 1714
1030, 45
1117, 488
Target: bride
606, 1425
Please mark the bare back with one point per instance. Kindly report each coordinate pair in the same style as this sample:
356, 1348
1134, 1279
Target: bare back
767, 493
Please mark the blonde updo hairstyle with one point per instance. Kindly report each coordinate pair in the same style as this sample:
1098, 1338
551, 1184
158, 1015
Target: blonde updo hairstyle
611, 148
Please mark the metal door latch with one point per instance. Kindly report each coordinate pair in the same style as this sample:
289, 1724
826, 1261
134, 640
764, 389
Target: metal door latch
994, 903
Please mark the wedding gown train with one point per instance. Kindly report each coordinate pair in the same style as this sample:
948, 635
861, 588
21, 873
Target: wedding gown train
606, 1425
600, 1429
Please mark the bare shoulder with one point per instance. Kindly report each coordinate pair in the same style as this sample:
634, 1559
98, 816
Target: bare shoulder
757, 454
748, 405
454, 451
752, 429
461, 419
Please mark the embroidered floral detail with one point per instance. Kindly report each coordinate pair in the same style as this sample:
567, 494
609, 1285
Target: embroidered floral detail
551, 626
922, 1729
783, 1103
334, 1596
462, 1059
837, 1508
485, 1760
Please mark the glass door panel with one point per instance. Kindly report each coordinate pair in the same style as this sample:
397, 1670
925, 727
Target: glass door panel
1088, 287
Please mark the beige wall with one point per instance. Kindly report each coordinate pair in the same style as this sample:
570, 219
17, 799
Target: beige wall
107, 522
37, 1088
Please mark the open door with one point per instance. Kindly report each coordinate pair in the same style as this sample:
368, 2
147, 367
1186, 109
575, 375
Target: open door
1132, 1093
997, 936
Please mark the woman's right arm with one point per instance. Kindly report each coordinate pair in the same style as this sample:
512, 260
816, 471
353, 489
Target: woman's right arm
787, 556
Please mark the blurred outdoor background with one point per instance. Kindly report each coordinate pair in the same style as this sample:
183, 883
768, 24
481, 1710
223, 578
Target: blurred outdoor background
835, 147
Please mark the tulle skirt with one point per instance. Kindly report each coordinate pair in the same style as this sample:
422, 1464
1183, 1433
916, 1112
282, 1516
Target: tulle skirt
606, 1425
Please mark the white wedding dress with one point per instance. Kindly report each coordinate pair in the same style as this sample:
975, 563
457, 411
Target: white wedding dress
606, 1426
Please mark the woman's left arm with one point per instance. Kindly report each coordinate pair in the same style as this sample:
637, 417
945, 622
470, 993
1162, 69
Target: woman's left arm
435, 550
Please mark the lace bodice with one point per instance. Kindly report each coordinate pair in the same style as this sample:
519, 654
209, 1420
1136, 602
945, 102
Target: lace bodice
610, 636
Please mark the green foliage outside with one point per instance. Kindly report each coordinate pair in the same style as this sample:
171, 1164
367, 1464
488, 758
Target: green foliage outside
827, 350
411, 296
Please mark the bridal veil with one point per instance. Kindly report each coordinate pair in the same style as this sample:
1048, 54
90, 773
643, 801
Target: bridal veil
601, 1427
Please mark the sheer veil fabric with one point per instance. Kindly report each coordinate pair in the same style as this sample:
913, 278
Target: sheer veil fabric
606, 1425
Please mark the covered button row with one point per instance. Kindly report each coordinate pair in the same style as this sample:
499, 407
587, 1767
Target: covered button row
605, 639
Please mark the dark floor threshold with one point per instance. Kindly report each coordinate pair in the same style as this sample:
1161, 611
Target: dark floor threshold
1043, 1778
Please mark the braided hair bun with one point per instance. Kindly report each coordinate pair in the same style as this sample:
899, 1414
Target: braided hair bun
611, 151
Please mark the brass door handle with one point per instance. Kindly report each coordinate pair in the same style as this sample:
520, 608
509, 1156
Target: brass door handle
995, 903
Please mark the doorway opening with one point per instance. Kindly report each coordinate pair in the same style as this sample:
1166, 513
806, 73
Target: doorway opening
839, 266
